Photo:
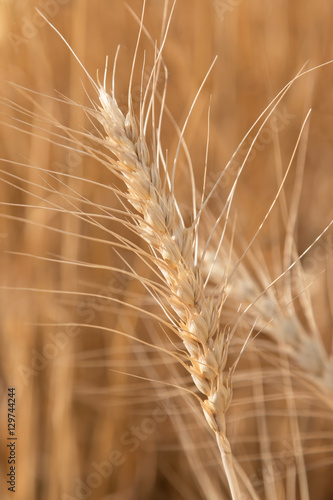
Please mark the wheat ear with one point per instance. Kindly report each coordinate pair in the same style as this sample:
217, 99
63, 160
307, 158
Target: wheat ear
278, 320
172, 244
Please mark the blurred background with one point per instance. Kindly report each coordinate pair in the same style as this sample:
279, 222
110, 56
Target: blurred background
85, 428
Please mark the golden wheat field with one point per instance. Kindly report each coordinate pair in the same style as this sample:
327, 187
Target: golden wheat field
166, 250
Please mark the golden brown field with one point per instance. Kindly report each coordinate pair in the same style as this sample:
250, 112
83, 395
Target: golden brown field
98, 328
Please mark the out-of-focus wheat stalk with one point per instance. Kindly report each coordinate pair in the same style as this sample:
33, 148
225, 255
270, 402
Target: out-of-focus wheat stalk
271, 310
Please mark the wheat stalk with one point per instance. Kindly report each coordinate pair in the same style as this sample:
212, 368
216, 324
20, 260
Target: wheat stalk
173, 248
158, 221
162, 226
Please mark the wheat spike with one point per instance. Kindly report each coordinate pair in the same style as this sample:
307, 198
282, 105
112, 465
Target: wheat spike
163, 228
